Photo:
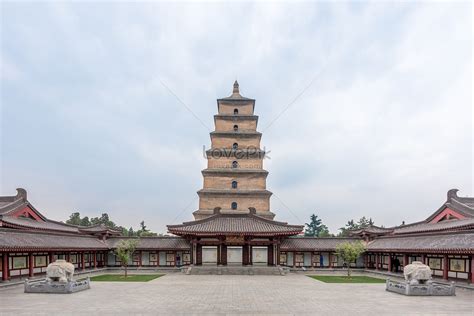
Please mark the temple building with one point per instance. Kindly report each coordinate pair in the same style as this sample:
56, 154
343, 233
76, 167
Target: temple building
235, 225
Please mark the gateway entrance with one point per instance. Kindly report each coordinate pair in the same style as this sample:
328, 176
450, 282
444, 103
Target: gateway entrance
209, 255
260, 255
234, 255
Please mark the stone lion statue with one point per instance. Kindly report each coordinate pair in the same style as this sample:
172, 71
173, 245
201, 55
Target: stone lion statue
60, 271
417, 272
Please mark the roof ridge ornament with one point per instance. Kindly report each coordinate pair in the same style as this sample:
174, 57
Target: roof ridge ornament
236, 88
452, 194
21, 193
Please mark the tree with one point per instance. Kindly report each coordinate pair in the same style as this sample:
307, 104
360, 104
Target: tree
103, 219
124, 252
85, 221
315, 228
143, 226
325, 233
364, 222
351, 225
74, 219
349, 252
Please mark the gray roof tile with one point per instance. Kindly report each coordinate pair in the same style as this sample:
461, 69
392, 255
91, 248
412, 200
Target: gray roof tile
11, 239
163, 243
245, 224
453, 242
314, 243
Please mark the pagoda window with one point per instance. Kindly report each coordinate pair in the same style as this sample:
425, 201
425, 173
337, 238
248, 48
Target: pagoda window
234, 184
235, 146
236, 111
236, 128
235, 164
234, 205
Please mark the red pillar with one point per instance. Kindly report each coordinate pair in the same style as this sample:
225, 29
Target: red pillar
106, 258
51, 257
68, 257
330, 260
423, 258
472, 269
139, 258
377, 263
445, 267
389, 262
278, 255
251, 256
95, 259
366, 259
83, 263
294, 259
5, 266
30, 265
405, 259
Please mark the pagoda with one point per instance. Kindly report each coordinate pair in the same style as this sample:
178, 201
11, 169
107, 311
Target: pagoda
234, 224
234, 180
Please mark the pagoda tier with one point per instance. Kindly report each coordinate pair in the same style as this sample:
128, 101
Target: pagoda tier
235, 181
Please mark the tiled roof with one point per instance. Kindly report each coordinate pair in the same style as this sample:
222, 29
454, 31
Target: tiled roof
462, 205
371, 230
163, 243
239, 192
41, 225
314, 243
445, 225
233, 170
245, 224
12, 239
99, 228
12, 203
452, 242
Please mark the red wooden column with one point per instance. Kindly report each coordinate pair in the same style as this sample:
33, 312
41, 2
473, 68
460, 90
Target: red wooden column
330, 259
95, 259
366, 259
377, 261
219, 253
250, 255
68, 257
139, 258
106, 259
5, 266
50, 257
389, 262
445, 267
278, 254
294, 259
472, 270
83, 263
405, 260
423, 258
30, 265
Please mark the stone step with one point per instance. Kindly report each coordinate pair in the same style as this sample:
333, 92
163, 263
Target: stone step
235, 270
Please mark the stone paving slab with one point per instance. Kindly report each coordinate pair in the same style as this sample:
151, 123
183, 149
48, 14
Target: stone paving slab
231, 294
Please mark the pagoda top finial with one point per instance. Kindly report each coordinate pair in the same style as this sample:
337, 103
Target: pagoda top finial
236, 87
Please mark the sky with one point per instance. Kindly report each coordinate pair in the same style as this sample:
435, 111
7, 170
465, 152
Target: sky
365, 108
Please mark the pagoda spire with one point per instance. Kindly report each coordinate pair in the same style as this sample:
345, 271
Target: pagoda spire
236, 88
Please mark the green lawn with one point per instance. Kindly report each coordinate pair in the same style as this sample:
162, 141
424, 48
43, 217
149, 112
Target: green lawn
345, 279
121, 278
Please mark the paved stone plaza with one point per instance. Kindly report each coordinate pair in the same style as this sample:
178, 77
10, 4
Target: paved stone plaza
213, 294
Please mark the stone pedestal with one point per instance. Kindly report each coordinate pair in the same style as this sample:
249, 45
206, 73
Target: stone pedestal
428, 289
44, 286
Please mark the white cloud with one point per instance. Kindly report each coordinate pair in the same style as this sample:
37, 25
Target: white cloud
384, 130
